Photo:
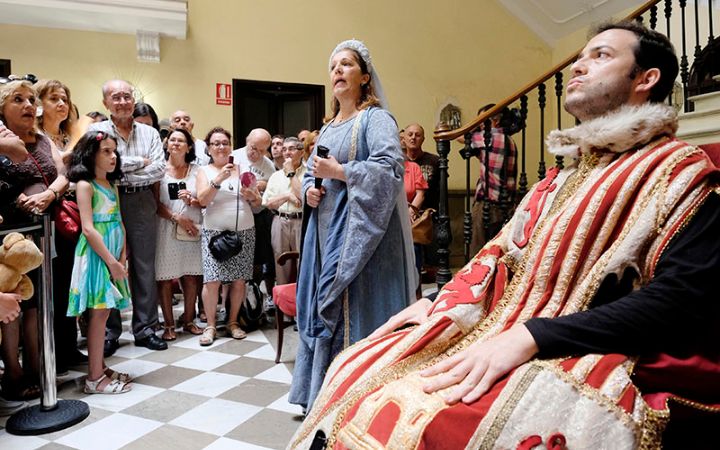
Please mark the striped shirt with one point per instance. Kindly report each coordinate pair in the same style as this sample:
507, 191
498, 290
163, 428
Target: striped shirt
143, 142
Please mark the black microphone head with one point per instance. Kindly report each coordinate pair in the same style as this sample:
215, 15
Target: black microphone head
323, 151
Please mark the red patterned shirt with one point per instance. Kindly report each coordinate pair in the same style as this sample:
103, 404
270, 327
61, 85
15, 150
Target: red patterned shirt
501, 163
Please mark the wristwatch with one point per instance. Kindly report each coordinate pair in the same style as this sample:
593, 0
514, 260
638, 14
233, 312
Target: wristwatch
214, 184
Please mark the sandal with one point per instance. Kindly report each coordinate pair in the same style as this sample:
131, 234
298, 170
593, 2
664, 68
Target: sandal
191, 328
208, 336
20, 390
113, 387
235, 331
169, 333
120, 376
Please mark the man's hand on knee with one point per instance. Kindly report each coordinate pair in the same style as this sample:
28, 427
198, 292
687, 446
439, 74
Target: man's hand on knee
474, 370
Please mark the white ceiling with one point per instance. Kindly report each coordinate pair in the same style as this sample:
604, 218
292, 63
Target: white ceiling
555, 19
166, 17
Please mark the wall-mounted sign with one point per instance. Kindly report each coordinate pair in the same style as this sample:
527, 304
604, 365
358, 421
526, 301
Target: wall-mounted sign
223, 94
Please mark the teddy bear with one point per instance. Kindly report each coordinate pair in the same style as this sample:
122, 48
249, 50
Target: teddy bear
18, 256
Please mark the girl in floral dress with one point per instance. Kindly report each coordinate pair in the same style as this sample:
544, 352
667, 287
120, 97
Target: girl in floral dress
99, 276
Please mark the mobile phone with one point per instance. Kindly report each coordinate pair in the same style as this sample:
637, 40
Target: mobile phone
173, 189
231, 159
182, 186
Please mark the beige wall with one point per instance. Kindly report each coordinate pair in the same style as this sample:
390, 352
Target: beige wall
427, 53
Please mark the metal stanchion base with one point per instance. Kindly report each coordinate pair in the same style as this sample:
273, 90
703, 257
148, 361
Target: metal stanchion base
33, 420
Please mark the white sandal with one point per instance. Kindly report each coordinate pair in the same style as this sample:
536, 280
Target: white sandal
208, 336
113, 387
120, 376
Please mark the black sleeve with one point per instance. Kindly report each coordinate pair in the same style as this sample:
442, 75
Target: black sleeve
678, 306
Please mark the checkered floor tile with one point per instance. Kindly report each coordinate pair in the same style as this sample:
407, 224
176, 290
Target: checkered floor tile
228, 395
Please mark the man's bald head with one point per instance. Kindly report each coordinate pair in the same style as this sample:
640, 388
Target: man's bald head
182, 119
414, 138
257, 143
118, 99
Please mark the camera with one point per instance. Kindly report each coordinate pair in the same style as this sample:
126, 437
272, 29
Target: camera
174, 189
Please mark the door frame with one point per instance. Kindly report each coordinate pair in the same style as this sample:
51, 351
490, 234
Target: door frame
242, 87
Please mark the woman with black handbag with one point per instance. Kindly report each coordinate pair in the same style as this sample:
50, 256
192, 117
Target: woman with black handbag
228, 233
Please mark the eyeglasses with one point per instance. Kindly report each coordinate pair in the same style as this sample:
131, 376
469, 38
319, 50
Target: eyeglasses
220, 144
117, 98
29, 77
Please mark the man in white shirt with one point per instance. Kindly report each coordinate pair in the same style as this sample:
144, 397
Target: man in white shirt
282, 198
253, 156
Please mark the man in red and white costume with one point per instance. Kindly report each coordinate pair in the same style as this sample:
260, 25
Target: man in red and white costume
587, 321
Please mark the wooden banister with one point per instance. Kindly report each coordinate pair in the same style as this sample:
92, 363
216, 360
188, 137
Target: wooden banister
442, 134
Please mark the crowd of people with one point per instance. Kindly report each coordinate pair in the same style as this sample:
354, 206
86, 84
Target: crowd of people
574, 305
152, 198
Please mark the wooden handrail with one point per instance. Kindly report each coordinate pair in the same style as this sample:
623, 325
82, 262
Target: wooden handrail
442, 133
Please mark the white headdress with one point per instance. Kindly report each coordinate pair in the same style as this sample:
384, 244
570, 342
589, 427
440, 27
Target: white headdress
364, 53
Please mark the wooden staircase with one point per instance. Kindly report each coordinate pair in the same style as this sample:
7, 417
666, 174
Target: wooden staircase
540, 105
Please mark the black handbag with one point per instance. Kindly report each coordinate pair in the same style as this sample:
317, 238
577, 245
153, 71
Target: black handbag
227, 244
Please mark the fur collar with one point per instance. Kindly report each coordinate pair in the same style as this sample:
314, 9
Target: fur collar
618, 131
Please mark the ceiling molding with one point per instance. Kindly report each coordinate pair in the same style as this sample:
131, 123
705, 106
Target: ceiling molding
552, 20
168, 18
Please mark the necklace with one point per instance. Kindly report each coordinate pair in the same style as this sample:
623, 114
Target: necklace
338, 120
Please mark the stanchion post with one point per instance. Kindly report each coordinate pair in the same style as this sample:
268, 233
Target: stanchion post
51, 414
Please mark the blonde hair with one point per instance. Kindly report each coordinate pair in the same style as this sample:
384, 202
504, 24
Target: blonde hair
8, 89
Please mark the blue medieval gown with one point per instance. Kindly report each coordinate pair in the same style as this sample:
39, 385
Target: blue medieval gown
357, 265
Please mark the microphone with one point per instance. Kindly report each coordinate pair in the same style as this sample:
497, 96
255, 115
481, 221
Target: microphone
323, 153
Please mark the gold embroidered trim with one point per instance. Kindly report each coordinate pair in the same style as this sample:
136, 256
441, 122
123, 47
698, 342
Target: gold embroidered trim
509, 406
681, 228
346, 319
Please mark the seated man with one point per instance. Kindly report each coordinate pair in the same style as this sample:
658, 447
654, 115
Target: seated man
589, 310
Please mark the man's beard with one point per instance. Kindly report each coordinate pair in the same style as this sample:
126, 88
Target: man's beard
599, 99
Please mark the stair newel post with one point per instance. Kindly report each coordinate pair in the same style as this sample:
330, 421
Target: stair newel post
444, 236
541, 104
467, 153
684, 58
559, 160
523, 181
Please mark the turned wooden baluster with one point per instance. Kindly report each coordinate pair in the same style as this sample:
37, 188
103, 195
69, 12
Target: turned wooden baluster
444, 236
668, 14
541, 104
710, 22
559, 160
523, 182
467, 153
698, 49
653, 17
487, 139
684, 58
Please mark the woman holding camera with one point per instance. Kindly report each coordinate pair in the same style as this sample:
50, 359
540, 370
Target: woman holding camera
227, 198
178, 236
